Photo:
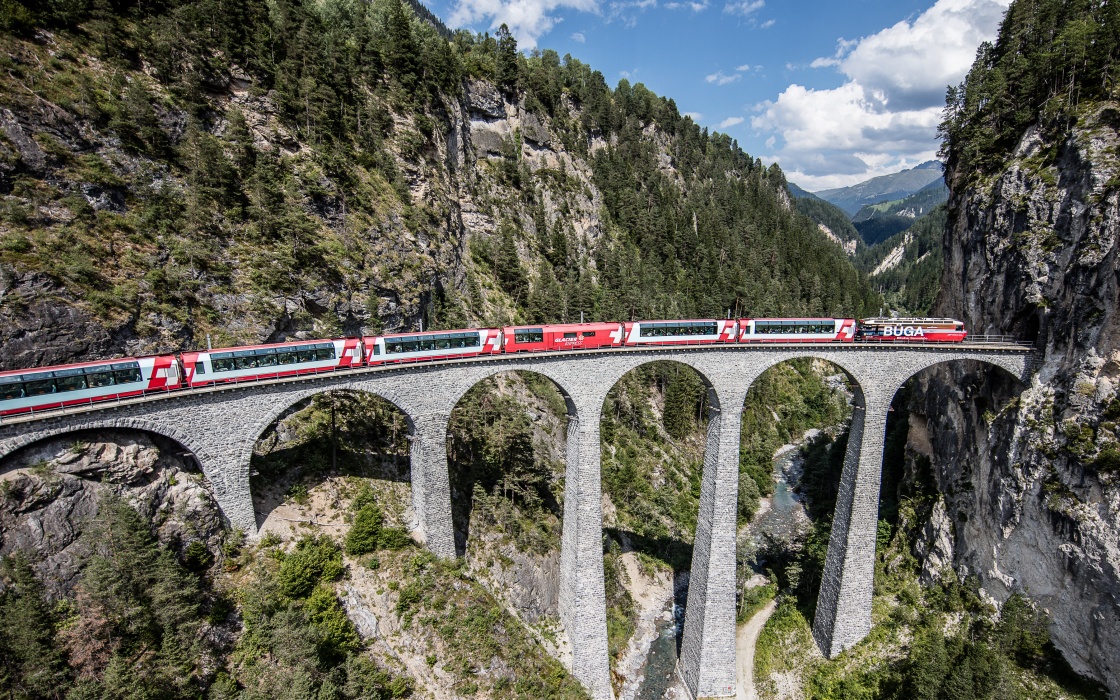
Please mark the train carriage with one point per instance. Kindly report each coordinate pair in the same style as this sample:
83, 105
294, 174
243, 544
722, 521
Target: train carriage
567, 336
913, 330
433, 345
267, 361
43, 388
690, 332
797, 330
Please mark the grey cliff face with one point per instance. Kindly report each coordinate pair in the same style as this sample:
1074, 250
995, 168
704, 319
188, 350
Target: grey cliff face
1029, 473
49, 491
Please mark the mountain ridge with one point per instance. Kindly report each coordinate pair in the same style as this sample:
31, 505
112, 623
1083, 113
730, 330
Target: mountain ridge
883, 187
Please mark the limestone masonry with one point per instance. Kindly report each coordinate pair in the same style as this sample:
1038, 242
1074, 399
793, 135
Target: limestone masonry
221, 426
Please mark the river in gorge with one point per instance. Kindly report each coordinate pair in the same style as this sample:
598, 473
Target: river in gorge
781, 516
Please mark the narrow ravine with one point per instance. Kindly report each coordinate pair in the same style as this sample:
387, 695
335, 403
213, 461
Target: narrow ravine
781, 516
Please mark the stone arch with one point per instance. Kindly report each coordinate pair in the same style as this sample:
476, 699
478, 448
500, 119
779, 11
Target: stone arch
544, 368
268, 418
258, 427
844, 602
463, 506
205, 461
704, 557
1014, 365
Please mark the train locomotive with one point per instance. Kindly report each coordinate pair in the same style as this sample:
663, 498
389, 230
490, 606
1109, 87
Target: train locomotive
49, 388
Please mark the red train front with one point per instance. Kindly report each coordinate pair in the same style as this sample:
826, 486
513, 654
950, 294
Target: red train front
913, 330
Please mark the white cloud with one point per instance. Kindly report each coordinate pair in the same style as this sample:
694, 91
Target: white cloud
768, 23
627, 11
696, 117
744, 7
912, 63
694, 6
730, 122
719, 78
884, 117
528, 20
579, 38
743, 68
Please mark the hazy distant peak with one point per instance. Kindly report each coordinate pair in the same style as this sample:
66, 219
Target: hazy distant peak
883, 188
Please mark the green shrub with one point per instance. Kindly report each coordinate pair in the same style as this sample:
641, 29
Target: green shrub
365, 534
315, 559
394, 538
197, 557
325, 610
1107, 461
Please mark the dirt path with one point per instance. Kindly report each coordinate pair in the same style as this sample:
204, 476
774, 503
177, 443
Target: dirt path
745, 639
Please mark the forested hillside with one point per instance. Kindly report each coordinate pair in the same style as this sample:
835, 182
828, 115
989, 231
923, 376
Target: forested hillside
906, 268
257, 171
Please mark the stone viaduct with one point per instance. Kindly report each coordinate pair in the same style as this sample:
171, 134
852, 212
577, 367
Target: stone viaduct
221, 425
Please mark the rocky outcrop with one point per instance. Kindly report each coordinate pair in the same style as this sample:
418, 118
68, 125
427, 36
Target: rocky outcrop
50, 491
1031, 474
460, 169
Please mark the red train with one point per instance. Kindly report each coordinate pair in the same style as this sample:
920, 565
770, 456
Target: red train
45, 388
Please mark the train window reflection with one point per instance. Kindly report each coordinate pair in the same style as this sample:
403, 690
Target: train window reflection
528, 335
39, 388
10, 388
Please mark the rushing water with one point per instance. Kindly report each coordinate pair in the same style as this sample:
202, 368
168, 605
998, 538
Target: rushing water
785, 517
662, 658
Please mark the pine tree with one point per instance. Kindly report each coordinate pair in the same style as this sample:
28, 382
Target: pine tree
509, 72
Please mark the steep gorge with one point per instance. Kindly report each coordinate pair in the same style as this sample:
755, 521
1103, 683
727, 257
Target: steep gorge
1030, 474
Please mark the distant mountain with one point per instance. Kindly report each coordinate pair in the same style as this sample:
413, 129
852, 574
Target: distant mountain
884, 188
878, 222
800, 193
906, 267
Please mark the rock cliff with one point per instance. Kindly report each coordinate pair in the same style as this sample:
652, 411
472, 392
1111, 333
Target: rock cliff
1031, 474
50, 492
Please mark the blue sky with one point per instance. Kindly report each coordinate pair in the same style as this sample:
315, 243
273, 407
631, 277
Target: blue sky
835, 92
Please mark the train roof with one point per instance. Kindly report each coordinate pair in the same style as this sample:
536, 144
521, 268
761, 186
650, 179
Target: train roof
77, 365
682, 320
426, 333
881, 319
786, 318
285, 344
565, 326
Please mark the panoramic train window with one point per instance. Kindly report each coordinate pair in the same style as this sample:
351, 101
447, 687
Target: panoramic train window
70, 379
528, 335
98, 377
569, 335
271, 357
677, 328
62, 380
794, 327
126, 373
422, 343
38, 384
